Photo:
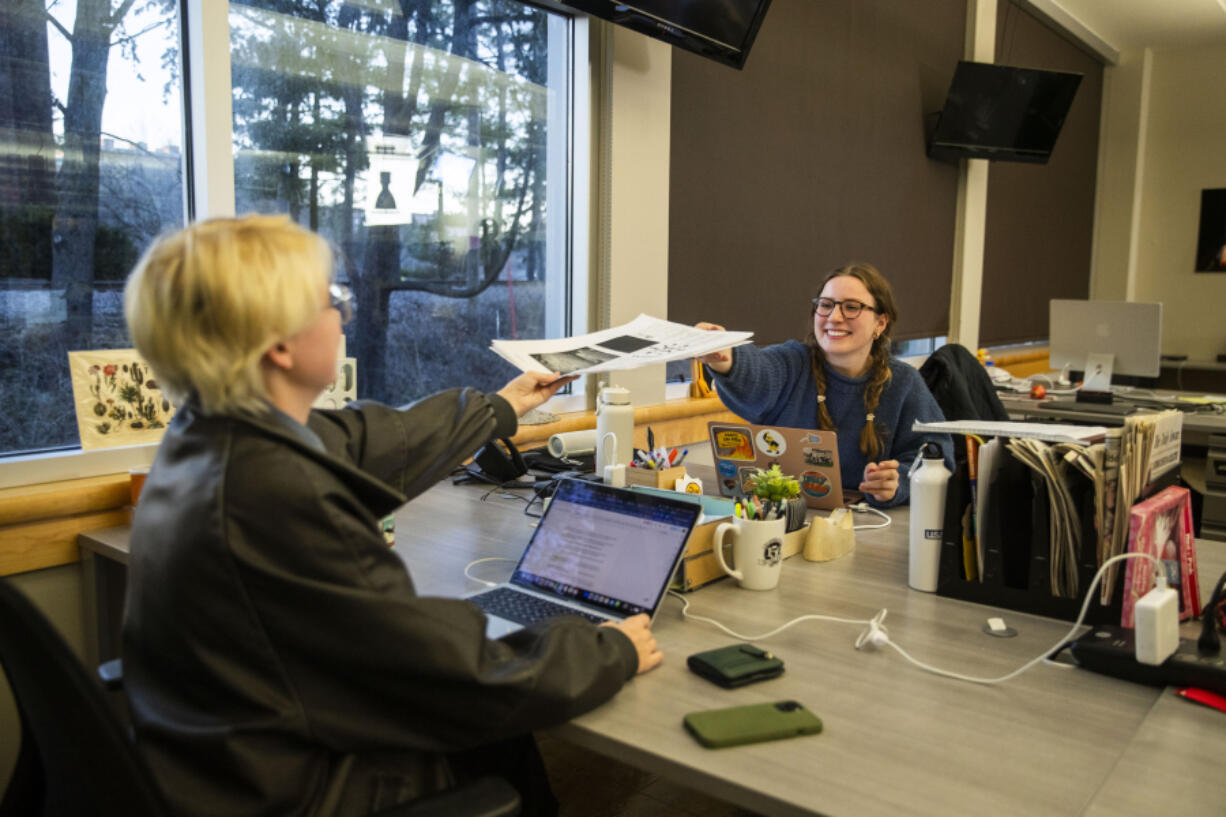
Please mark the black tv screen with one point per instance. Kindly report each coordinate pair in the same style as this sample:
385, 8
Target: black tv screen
1002, 113
723, 30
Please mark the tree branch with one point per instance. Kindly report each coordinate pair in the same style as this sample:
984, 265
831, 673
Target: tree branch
65, 32
121, 12
136, 145
132, 37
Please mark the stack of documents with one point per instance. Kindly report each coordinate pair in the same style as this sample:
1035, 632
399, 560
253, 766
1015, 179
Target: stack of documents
641, 342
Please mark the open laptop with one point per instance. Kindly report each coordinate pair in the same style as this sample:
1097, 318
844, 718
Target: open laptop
812, 457
602, 553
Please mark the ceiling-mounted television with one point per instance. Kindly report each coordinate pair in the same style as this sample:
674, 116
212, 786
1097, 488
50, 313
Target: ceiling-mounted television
723, 30
1002, 113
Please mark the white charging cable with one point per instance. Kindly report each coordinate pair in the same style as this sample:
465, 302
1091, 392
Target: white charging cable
864, 507
468, 575
685, 612
877, 636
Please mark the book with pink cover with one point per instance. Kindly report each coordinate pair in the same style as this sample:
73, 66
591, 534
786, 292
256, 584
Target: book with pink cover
1162, 527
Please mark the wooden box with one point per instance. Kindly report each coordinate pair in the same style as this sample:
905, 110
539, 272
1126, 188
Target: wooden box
652, 478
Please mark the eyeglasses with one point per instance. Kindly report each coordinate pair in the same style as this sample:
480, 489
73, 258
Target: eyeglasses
851, 309
340, 298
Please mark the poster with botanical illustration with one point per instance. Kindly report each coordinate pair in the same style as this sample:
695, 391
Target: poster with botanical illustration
118, 401
344, 389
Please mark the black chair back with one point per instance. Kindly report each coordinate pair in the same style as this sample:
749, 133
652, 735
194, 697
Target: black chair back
75, 758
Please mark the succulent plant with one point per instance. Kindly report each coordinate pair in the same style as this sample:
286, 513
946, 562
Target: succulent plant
774, 485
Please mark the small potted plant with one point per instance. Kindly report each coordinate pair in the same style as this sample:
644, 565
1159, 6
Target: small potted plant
777, 496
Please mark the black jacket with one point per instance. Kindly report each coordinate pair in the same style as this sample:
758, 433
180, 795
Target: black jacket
961, 385
277, 659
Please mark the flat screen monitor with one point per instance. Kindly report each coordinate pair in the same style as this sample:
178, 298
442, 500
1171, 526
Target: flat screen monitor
1002, 113
722, 30
1130, 331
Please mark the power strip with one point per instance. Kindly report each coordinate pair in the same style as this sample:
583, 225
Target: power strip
1112, 651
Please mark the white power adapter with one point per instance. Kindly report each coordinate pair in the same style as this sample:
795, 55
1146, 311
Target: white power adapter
1157, 623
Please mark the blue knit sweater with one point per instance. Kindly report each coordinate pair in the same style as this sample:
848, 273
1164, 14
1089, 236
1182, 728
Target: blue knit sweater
774, 386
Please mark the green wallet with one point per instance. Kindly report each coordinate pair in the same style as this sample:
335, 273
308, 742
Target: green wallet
735, 665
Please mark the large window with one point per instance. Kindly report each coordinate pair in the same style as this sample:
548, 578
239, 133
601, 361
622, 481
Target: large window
428, 141
90, 135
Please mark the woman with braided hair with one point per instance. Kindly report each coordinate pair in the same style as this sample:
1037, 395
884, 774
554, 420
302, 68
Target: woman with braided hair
842, 378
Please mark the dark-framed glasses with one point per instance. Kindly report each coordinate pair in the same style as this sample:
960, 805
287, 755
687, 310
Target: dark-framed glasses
851, 308
340, 298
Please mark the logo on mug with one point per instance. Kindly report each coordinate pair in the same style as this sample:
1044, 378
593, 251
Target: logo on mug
772, 552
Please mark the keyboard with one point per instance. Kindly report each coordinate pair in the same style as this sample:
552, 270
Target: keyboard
523, 608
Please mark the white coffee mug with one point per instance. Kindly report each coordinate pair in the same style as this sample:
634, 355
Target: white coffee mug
757, 551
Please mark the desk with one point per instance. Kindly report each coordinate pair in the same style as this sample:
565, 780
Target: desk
897, 740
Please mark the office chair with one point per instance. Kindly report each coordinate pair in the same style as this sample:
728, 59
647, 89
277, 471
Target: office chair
76, 760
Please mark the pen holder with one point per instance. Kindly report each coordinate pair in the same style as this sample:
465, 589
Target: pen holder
664, 478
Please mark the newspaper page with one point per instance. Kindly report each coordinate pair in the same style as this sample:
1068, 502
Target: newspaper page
1064, 528
641, 342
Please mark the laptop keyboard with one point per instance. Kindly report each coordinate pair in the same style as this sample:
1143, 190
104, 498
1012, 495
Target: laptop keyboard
523, 608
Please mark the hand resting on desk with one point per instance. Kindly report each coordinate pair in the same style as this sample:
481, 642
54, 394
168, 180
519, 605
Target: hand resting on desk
638, 630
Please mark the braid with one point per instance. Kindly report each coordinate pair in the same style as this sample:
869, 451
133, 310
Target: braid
870, 438
819, 378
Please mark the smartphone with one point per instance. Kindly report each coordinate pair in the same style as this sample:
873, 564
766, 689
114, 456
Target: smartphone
737, 725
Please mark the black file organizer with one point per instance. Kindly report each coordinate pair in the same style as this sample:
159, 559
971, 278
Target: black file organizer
1017, 547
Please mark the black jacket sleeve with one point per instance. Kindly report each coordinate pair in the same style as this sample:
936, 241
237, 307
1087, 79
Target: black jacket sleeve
413, 447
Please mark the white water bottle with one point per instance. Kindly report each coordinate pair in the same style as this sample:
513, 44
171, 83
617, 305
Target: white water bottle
929, 480
614, 428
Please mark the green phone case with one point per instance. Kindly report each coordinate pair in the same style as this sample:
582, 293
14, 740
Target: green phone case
737, 725
736, 665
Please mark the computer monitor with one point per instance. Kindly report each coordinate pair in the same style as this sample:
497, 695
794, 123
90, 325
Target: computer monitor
1130, 332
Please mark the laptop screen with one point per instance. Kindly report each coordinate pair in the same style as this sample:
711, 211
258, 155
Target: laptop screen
611, 548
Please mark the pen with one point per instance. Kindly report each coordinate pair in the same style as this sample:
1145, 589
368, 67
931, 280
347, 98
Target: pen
681, 459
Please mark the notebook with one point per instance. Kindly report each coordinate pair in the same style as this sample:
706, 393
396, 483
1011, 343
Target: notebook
602, 553
812, 457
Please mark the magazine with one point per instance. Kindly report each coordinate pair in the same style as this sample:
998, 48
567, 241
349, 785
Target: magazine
1162, 527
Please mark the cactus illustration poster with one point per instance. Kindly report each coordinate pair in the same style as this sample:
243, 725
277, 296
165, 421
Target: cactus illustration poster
117, 398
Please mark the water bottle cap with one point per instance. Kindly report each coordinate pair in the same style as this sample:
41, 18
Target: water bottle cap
615, 396
932, 451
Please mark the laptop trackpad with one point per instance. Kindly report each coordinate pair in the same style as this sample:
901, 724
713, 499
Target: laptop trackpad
498, 627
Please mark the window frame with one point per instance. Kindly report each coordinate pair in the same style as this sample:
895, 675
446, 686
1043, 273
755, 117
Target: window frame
208, 190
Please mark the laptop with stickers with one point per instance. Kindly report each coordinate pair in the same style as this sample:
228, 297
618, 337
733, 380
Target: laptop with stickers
602, 553
812, 457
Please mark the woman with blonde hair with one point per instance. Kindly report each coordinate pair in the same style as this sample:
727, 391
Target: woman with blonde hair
842, 378
277, 658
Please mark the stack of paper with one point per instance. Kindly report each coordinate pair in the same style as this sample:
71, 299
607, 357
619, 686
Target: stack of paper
641, 342
1051, 432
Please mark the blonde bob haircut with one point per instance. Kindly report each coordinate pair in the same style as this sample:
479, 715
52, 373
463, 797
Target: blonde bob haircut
205, 303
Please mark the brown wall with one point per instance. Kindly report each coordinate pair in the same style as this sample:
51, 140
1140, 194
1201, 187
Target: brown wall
810, 157
1040, 218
